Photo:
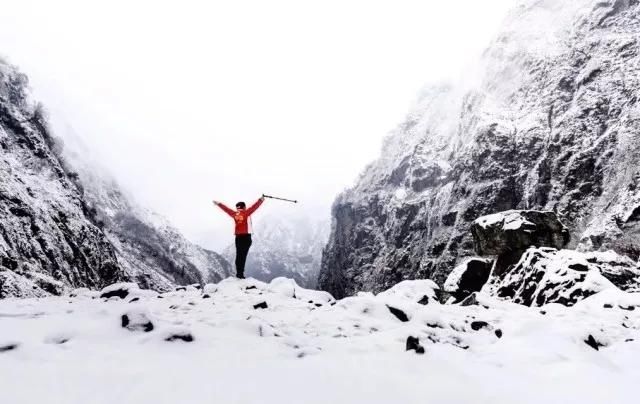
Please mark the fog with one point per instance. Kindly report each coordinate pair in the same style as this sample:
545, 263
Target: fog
190, 101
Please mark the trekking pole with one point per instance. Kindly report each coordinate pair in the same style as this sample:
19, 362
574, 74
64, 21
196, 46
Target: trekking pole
280, 199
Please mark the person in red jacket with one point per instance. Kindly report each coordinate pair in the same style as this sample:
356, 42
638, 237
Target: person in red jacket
243, 236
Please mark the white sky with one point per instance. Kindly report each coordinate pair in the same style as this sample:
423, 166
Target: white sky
189, 101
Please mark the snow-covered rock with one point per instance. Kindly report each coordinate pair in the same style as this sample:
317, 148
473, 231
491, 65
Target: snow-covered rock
547, 275
551, 124
516, 230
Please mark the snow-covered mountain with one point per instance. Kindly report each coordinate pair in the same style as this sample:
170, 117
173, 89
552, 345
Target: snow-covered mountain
49, 236
286, 247
149, 249
550, 120
67, 223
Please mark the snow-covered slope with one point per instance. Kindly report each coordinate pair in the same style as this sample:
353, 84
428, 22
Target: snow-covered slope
49, 237
288, 246
64, 222
149, 249
550, 121
250, 342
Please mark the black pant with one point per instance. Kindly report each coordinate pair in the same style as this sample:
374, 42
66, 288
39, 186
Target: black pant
243, 243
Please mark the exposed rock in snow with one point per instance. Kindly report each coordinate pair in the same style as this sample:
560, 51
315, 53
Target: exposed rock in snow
551, 125
468, 277
49, 237
546, 275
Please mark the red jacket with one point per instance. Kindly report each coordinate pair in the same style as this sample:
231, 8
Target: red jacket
241, 217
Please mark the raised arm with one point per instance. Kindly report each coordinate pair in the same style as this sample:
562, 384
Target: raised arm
255, 206
227, 210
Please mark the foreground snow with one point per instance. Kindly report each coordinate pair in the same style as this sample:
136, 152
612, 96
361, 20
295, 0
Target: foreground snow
307, 348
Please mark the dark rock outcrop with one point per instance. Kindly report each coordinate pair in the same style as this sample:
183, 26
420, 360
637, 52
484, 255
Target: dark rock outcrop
550, 131
547, 275
468, 277
517, 230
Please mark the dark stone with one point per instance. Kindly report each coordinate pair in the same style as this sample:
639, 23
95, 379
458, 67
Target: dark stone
146, 326
628, 308
206, 296
185, 337
413, 344
8, 347
250, 287
121, 293
470, 300
477, 325
498, 333
607, 306
261, 305
424, 301
181, 289
593, 343
579, 267
135, 299
475, 273
398, 313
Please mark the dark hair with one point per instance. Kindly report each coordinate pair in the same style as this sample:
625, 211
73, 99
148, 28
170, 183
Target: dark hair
241, 205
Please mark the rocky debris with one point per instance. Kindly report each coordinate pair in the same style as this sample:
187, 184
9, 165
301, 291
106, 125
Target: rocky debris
413, 344
478, 325
400, 315
468, 277
183, 335
547, 275
261, 305
545, 131
593, 343
120, 290
136, 320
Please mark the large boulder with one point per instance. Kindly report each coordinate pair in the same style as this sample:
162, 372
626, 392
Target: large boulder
517, 230
468, 277
507, 235
547, 275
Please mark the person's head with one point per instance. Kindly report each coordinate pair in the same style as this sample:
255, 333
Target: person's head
241, 206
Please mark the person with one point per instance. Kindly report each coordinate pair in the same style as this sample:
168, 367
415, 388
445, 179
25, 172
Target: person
243, 236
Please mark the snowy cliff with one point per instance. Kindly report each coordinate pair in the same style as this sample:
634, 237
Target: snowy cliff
551, 121
64, 222
49, 237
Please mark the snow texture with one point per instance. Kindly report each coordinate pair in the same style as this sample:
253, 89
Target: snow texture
362, 349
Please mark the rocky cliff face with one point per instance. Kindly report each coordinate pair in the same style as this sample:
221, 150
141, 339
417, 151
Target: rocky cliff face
49, 237
551, 123
149, 249
65, 223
